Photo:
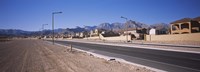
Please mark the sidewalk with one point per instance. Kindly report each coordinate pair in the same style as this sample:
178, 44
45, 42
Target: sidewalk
146, 45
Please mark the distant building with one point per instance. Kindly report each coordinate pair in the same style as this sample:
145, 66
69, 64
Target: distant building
109, 34
152, 31
96, 32
77, 34
136, 33
83, 34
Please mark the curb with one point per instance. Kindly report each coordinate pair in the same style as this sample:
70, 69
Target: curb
117, 59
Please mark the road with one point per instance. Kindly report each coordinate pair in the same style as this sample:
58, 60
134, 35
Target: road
165, 60
41, 56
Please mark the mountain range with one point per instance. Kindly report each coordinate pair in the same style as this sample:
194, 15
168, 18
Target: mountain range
107, 26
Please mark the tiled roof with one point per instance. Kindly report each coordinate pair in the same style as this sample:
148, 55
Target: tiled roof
196, 19
182, 20
186, 20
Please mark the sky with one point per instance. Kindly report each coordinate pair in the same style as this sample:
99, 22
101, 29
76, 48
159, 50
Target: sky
29, 15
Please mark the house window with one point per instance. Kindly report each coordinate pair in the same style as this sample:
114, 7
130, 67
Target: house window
185, 26
175, 27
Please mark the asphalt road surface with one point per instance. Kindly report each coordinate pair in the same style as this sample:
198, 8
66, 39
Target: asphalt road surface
165, 60
41, 56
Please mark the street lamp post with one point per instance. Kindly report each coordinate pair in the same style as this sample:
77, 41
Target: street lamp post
53, 23
126, 27
43, 29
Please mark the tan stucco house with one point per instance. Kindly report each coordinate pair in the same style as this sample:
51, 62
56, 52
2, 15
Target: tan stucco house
185, 25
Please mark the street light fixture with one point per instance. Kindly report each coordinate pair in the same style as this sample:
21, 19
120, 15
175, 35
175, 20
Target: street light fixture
126, 27
43, 26
53, 23
43, 29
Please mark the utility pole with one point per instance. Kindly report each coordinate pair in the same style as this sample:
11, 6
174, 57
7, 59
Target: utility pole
53, 24
43, 29
126, 27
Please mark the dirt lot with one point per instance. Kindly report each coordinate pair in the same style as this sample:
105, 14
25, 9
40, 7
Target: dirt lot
40, 56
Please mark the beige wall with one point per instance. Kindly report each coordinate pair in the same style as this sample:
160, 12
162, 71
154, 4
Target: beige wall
174, 37
121, 38
95, 37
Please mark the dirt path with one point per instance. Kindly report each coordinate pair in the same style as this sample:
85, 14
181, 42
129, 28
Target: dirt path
40, 56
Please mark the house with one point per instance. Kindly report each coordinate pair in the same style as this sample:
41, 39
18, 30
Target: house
77, 34
71, 35
197, 19
109, 34
185, 25
83, 34
96, 32
136, 33
152, 31
186, 29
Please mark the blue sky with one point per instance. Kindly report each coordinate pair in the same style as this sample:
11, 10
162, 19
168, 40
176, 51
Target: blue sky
31, 14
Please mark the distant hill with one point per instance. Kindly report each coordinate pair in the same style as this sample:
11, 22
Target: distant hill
118, 26
160, 26
89, 28
107, 26
13, 32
